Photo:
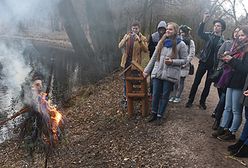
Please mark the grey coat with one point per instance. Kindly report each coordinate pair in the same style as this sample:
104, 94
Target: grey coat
226, 46
191, 54
167, 72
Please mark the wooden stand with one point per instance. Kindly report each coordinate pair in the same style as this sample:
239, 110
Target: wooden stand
136, 88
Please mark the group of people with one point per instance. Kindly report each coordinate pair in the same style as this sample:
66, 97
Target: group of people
171, 49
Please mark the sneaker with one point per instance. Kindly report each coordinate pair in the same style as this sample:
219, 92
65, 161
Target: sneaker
124, 103
171, 99
153, 117
203, 106
188, 105
220, 131
177, 100
235, 147
228, 136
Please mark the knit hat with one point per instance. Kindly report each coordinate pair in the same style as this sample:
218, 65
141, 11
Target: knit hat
185, 28
222, 22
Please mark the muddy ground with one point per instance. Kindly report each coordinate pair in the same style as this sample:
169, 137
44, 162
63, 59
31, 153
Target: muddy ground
99, 134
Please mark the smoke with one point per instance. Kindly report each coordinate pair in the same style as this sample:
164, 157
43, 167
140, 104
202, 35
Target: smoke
13, 13
14, 67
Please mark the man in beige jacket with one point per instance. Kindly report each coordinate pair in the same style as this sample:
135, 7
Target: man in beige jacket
133, 43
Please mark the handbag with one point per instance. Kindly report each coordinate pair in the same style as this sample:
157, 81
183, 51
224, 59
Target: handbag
191, 69
216, 75
225, 77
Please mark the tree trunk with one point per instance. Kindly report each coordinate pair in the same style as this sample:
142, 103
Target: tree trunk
103, 33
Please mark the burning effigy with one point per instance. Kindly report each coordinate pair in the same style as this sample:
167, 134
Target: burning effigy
43, 124
51, 118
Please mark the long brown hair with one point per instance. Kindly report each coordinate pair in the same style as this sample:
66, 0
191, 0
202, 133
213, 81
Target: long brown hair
174, 42
244, 28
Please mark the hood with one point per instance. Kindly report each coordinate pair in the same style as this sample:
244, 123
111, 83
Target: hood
162, 24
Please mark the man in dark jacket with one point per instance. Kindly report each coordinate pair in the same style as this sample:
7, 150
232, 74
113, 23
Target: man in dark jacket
153, 41
208, 59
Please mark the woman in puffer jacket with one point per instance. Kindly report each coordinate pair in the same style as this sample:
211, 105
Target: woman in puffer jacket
165, 65
184, 31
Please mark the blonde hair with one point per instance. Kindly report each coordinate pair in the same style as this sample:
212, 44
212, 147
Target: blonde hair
174, 42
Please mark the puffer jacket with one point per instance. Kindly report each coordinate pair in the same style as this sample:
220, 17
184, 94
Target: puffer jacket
162, 71
208, 37
191, 54
138, 47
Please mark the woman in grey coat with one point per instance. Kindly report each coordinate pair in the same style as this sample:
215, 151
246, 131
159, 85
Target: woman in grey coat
184, 31
165, 65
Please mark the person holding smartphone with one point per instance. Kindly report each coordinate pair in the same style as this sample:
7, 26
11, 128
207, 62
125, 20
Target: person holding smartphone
208, 59
133, 43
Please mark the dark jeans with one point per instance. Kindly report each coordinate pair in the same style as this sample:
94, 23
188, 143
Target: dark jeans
160, 97
201, 70
151, 86
220, 107
244, 134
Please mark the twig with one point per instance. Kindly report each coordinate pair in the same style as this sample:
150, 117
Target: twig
23, 110
236, 159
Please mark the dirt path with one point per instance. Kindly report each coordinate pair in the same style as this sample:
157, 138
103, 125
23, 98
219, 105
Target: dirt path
99, 134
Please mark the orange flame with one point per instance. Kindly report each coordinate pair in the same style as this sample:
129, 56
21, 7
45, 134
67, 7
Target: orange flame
56, 117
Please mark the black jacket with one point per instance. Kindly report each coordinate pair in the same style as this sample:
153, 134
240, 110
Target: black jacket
243, 98
241, 66
208, 37
151, 46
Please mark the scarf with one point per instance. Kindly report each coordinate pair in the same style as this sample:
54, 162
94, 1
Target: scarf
168, 42
238, 48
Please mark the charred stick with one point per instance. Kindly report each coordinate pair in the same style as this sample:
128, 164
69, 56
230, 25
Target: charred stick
23, 110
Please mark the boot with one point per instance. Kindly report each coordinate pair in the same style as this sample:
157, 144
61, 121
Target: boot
153, 117
243, 151
203, 106
220, 131
189, 104
215, 125
235, 147
228, 136
159, 121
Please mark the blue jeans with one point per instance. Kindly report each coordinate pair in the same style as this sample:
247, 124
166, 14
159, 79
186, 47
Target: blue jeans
160, 96
244, 134
178, 88
232, 108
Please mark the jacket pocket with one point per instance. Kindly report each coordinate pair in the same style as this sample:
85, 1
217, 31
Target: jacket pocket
173, 74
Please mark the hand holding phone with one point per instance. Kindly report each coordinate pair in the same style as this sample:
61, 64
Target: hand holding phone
206, 16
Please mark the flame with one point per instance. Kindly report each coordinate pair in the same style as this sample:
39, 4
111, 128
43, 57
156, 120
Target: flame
56, 117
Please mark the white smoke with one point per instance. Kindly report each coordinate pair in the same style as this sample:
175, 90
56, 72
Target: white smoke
14, 68
16, 12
